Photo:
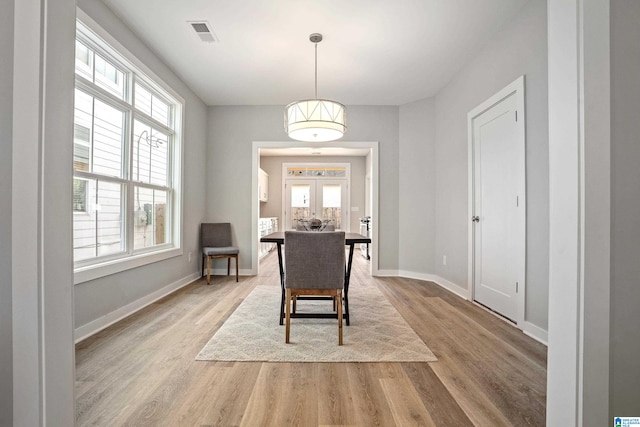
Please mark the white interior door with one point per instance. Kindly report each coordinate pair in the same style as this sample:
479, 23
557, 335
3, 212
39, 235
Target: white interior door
316, 198
498, 208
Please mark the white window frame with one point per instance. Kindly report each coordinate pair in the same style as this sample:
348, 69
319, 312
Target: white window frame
134, 69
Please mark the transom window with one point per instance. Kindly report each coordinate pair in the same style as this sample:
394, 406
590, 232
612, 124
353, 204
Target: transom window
126, 158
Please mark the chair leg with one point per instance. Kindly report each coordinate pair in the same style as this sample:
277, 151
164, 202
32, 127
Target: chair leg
339, 297
288, 316
208, 270
228, 265
236, 268
295, 300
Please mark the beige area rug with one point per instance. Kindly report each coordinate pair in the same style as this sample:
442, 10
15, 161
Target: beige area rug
377, 333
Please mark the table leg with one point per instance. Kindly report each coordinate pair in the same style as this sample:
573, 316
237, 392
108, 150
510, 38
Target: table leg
282, 300
347, 276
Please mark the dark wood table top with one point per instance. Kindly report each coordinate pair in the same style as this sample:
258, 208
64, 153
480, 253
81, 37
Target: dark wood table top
349, 238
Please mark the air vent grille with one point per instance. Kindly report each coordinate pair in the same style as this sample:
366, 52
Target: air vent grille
200, 27
203, 31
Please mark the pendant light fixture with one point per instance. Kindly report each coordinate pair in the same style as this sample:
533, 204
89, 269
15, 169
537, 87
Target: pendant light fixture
315, 120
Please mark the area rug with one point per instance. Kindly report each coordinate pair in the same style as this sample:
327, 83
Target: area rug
377, 333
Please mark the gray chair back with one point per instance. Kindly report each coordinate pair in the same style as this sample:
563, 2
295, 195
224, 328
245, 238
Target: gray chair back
314, 260
215, 235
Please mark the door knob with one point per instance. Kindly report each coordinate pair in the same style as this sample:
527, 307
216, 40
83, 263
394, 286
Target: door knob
475, 218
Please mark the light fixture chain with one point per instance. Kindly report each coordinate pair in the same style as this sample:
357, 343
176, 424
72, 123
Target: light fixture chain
316, 44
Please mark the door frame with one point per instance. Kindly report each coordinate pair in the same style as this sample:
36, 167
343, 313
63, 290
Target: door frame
374, 171
515, 88
346, 178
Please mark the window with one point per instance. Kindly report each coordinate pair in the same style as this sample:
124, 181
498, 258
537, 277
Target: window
126, 152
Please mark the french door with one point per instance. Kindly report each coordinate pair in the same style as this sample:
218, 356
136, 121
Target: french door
321, 198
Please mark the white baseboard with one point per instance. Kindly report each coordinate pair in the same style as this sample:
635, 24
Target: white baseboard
223, 272
440, 281
387, 273
536, 332
85, 331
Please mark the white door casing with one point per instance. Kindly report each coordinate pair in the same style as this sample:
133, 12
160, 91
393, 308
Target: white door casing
497, 234
373, 168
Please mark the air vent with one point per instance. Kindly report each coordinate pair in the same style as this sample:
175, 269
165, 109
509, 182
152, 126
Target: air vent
203, 31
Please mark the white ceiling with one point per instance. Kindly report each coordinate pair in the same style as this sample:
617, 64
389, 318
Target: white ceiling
374, 52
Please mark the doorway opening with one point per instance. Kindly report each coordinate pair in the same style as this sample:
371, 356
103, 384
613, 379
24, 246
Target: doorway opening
367, 152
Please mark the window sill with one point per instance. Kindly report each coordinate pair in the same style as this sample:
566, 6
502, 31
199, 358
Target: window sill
92, 272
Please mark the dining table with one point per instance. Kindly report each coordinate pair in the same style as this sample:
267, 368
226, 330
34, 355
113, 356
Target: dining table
350, 240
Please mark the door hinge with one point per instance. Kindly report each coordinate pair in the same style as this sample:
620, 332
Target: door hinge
516, 115
517, 202
516, 287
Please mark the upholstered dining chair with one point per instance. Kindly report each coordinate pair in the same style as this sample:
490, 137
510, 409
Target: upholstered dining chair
215, 239
314, 265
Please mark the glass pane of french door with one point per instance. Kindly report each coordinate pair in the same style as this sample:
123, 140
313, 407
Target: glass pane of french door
300, 201
332, 195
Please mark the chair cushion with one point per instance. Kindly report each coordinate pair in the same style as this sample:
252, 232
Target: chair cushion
224, 250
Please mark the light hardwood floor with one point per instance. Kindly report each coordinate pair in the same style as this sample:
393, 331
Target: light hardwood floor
141, 371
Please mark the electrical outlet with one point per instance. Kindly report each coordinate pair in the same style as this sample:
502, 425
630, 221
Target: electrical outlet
190, 255
444, 260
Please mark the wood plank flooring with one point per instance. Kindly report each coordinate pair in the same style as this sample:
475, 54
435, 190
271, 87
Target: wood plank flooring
142, 370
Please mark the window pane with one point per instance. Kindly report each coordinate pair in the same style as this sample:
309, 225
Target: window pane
151, 105
100, 125
331, 204
84, 226
300, 198
83, 121
108, 77
81, 147
142, 99
150, 227
80, 195
108, 139
109, 214
84, 61
150, 155
160, 110
98, 231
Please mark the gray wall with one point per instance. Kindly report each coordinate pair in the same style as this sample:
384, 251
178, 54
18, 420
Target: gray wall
273, 166
625, 209
417, 184
232, 129
6, 117
100, 297
519, 48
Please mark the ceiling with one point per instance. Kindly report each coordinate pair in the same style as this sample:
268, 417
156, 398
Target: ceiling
374, 52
